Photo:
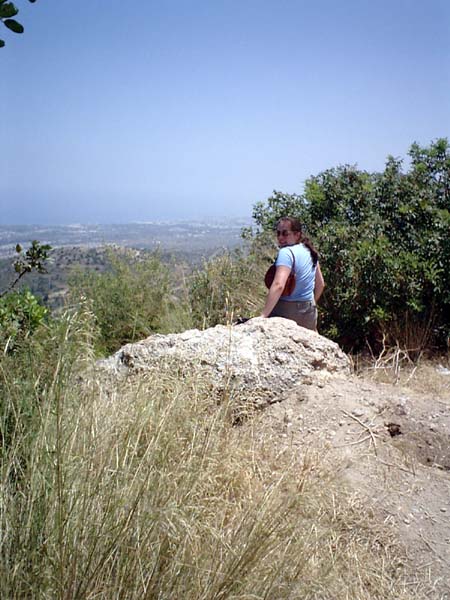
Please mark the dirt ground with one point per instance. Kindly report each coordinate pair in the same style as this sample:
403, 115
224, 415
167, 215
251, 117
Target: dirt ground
388, 442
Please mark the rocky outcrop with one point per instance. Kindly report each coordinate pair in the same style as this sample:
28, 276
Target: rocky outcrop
262, 357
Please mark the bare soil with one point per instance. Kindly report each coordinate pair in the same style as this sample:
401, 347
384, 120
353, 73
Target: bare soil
388, 443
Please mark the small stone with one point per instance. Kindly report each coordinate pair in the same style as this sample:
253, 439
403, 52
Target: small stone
357, 412
443, 509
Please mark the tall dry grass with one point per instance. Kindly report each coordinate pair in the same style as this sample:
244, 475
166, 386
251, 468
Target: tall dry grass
145, 489
399, 365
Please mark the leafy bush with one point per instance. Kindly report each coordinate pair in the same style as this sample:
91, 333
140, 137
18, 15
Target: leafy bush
227, 287
20, 314
20, 311
29, 376
385, 248
130, 301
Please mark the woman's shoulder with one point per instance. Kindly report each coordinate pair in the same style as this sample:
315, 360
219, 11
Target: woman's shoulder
296, 250
285, 251
285, 256
288, 252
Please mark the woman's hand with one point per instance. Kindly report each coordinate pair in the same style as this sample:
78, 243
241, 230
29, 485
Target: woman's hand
276, 289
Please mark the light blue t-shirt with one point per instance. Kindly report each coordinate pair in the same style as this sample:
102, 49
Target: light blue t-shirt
305, 271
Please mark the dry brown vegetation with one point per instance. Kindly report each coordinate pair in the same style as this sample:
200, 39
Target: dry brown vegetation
148, 490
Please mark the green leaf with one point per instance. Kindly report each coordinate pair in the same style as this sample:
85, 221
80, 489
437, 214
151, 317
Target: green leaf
8, 10
13, 25
18, 248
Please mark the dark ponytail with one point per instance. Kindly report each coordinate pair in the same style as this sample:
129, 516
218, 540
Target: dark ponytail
314, 254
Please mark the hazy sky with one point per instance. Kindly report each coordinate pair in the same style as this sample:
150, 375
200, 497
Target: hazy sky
115, 111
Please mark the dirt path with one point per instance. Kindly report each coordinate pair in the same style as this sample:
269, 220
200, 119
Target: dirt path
390, 444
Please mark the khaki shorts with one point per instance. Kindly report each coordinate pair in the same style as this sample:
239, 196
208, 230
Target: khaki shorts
303, 313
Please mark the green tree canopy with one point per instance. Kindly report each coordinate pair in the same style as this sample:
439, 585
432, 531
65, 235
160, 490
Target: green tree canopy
384, 240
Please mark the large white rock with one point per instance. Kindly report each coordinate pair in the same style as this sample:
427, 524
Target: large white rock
262, 357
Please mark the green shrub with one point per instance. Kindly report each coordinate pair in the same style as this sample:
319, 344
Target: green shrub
130, 301
385, 248
20, 314
227, 287
28, 377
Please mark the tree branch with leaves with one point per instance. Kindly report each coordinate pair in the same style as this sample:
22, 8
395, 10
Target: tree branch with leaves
32, 260
7, 11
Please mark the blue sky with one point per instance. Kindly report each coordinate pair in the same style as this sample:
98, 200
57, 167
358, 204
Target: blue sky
117, 112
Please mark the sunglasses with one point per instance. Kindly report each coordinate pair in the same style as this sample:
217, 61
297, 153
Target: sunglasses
283, 232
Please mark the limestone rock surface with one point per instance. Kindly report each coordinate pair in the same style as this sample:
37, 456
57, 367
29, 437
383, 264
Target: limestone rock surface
262, 357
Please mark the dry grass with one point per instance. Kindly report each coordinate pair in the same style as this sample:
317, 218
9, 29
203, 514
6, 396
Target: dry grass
427, 376
431, 377
398, 365
147, 490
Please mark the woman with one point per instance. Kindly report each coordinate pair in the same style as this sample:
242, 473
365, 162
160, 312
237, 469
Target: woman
300, 306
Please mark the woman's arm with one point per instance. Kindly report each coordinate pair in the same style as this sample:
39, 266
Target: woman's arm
276, 289
319, 283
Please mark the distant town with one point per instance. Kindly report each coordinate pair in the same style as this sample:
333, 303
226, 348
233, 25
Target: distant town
84, 246
184, 236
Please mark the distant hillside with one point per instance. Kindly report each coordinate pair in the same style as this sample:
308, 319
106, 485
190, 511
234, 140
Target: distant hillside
190, 238
179, 243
